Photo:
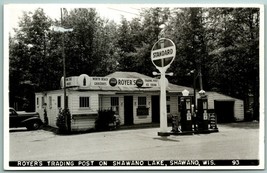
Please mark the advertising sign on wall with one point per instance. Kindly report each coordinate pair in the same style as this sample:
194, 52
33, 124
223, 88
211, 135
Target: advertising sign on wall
86, 81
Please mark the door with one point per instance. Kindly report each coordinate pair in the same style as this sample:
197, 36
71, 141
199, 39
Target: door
224, 111
155, 109
128, 110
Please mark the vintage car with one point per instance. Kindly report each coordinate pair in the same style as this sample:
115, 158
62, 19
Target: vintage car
30, 120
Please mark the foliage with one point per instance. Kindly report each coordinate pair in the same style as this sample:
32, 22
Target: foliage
61, 121
104, 119
45, 117
221, 43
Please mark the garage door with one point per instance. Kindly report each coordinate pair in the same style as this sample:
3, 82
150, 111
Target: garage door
224, 111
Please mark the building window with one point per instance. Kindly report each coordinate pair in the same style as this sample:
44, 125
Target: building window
50, 102
84, 102
37, 101
141, 101
59, 101
115, 104
142, 110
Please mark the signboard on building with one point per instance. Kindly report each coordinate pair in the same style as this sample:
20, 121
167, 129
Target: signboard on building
86, 81
71, 81
127, 82
99, 81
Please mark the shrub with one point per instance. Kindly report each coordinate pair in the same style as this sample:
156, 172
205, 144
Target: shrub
104, 118
45, 118
61, 120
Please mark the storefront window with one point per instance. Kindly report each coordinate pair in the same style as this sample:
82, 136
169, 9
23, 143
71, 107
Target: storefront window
142, 110
115, 104
141, 101
84, 102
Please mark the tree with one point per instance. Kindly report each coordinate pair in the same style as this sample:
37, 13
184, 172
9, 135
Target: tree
137, 37
236, 53
222, 43
27, 57
190, 37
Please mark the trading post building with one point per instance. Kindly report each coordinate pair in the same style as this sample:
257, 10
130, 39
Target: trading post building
133, 96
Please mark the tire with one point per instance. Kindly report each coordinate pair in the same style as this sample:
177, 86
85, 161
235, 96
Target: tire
34, 126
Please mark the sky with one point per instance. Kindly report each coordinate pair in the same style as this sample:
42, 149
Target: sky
112, 12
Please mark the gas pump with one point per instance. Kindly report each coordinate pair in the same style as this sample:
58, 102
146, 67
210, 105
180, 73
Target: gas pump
202, 114
186, 114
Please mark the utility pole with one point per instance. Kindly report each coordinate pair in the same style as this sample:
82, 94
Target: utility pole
64, 61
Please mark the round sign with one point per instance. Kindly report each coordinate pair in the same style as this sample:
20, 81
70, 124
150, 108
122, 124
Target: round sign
139, 82
83, 80
163, 52
112, 82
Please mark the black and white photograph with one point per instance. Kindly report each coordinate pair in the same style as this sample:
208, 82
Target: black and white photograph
133, 87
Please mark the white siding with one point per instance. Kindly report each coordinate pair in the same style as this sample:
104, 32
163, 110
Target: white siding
75, 103
83, 118
82, 122
121, 109
106, 104
52, 112
239, 110
38, 108
144, 118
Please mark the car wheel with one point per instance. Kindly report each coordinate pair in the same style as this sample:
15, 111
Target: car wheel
34, 126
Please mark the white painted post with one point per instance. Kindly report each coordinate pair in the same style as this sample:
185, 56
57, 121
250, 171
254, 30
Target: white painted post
162, 55
163, 110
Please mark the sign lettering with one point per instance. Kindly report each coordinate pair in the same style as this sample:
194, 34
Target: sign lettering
71, 81
163, 53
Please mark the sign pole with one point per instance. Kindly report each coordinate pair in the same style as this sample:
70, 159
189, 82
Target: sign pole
163, 110
162, 55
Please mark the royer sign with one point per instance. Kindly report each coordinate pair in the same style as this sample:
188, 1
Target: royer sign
85, 81
163, 52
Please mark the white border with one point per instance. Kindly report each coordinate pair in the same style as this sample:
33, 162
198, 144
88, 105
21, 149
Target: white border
261, 91
6, 89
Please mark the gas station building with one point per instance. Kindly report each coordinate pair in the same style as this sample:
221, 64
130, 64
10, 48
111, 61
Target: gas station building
134, 97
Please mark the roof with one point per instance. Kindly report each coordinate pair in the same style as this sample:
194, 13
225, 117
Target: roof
171, 88
122, 74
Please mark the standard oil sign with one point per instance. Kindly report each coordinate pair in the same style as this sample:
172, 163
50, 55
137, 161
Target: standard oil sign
163, 53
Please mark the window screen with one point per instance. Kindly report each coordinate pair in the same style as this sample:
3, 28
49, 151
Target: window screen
84, 102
